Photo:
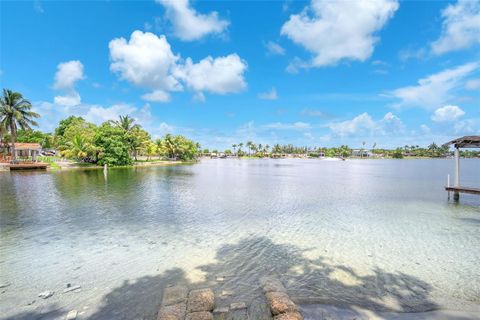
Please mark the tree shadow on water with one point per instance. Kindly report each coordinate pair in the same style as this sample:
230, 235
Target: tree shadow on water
239, 268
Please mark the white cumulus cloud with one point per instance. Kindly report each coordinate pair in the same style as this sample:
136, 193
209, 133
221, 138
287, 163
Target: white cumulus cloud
70, 99
269, 95
435, 89
447, 113
188, 24
461, 27
220, 75
147, 61
337, 30
67, 75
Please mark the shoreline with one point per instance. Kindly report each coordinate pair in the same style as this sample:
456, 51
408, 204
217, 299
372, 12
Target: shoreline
77, 166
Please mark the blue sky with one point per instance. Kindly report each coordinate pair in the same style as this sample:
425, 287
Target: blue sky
314, 73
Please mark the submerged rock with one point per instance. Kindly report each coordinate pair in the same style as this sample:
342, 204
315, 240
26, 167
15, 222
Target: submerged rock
279, 302
71, 288
238, 305
220, 310
272, 284
173, 312
173, 295
201, 300
202, 315
289, 316
45, 294
72, 315
225, 293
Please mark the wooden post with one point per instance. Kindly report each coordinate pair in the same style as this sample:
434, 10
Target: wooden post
456, 194
448, 185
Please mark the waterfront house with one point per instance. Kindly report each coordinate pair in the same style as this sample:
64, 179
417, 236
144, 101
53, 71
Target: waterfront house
29, 151
361, 153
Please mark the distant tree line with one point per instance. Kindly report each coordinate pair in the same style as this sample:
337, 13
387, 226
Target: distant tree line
258, 150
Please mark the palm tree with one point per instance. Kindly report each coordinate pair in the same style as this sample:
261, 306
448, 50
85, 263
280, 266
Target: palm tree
77, 148
15, 111
234, 146
249, 145
126, 123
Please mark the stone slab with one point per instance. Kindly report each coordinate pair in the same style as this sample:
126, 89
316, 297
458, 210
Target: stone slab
289, 316
279, 302
220, 313
238, 305
202, 315
173, 295
201, 300
239, 314
173, 312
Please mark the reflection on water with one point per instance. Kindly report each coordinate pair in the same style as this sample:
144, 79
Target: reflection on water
370, 233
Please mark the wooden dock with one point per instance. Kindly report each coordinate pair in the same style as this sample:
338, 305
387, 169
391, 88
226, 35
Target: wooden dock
28, 166
464, 190
463, 142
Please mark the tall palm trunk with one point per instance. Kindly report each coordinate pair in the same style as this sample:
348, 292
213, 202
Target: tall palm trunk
13, 137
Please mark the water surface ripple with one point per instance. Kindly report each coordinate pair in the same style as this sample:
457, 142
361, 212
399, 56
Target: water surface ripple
376, 234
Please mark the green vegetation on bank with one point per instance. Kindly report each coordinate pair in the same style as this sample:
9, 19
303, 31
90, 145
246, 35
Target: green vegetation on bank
115, 143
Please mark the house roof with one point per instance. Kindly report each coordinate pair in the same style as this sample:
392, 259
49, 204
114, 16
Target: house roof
27, 146
465, 142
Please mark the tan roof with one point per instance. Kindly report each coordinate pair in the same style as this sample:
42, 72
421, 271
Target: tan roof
27, 146
466, 142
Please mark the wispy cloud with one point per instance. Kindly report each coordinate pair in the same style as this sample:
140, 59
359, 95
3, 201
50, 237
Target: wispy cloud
274, 48
434, 90
288, 126
460, 27
269, 95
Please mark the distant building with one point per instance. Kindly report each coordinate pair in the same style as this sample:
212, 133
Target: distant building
361, 153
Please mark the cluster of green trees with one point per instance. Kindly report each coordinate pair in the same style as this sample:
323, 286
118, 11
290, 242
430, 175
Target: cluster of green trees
114, 143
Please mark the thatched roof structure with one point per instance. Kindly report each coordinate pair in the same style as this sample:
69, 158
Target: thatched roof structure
465, 142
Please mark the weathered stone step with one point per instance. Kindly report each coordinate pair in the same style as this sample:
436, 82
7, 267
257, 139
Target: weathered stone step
179, 304
280, 304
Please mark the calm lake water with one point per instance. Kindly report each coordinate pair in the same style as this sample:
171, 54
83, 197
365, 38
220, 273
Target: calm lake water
376, 234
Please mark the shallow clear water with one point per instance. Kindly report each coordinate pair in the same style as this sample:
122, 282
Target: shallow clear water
375, 234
